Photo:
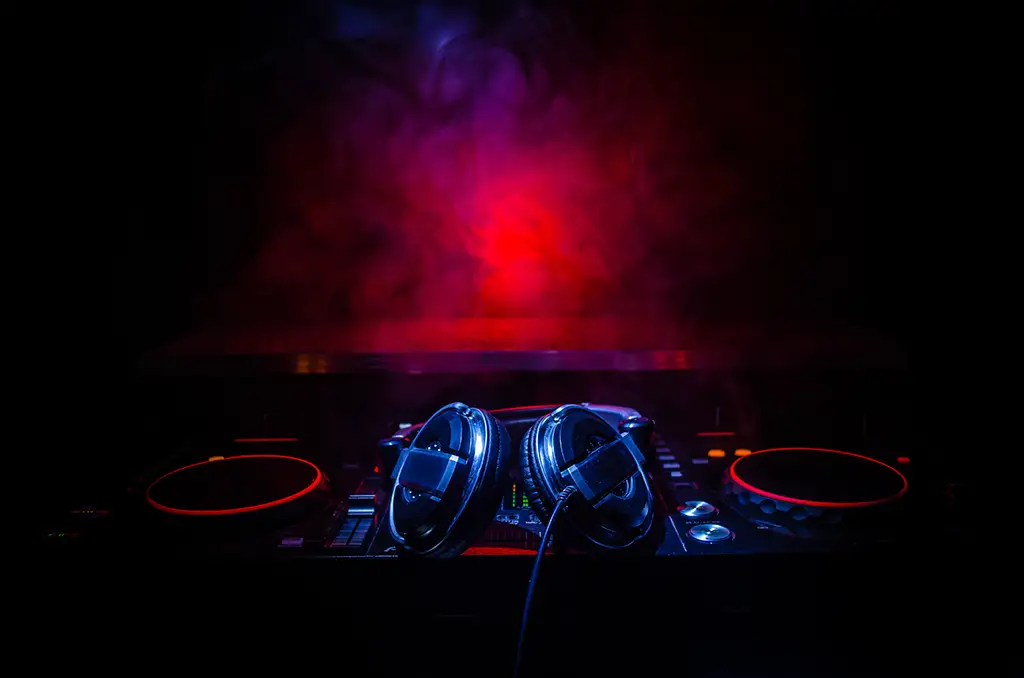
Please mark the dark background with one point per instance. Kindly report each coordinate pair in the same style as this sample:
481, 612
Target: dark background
165, 179
149, 186
148, 190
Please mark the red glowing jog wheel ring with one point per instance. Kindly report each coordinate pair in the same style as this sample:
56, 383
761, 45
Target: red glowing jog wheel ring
807, 491
231, 486
818, 477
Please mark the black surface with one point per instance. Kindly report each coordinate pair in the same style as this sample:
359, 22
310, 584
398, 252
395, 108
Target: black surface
743, 616
819, 476
233, 483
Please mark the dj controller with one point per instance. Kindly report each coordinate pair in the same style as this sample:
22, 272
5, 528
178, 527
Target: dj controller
790, 509
293, 476
713, 495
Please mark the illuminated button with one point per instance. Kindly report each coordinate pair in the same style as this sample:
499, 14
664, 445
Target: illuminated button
742, 452
902, 460
716, 454
217, 457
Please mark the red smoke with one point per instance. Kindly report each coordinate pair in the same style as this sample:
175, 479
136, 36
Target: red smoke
453, 168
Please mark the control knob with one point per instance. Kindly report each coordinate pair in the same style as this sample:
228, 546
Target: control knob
697, 509
709, 533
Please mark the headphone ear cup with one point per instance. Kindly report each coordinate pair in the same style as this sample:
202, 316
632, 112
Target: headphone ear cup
541, 503
484, 507
619, 521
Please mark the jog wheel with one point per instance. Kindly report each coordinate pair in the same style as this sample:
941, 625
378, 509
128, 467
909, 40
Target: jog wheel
813, 492
247, 491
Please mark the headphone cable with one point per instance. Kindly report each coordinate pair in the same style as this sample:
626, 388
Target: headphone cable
563, 497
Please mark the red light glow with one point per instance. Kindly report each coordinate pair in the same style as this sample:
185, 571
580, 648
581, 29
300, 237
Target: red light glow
497, 551
317, 480
809, 502
499, 168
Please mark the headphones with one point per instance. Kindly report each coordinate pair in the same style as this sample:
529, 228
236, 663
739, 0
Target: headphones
449, 481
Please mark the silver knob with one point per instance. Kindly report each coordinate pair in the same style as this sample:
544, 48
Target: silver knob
709, 533
697, 509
